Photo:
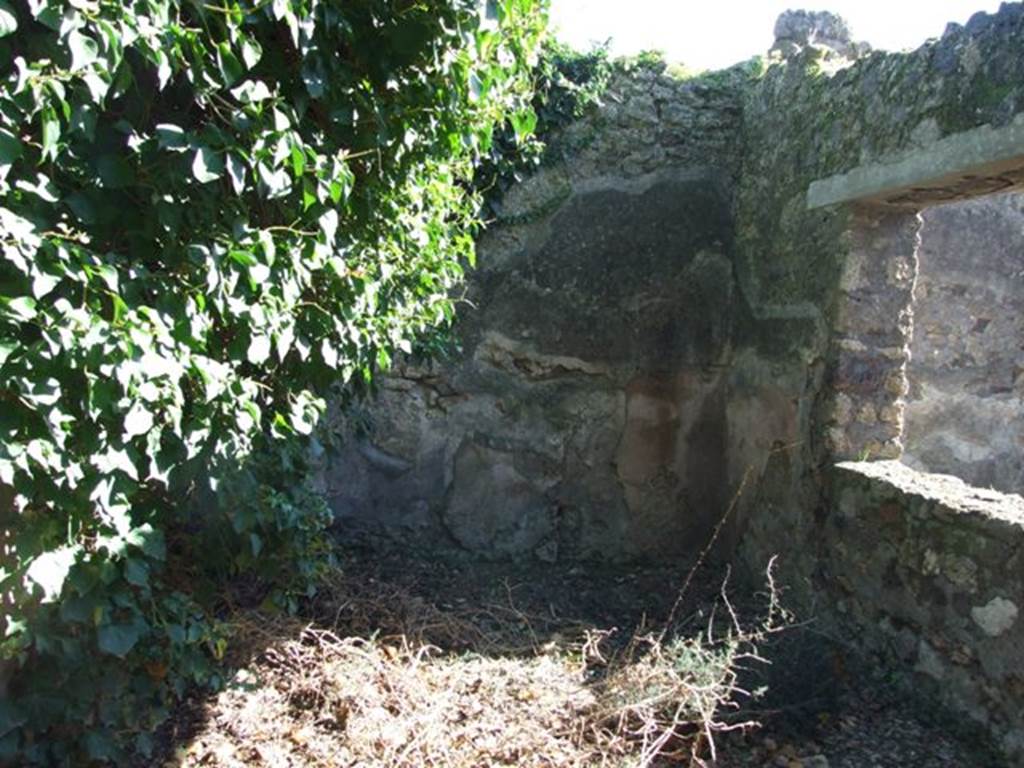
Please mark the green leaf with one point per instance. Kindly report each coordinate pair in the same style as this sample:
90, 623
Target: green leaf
84, 50
43, 283
251, 52
175, 633
108, 274
236, 172
259, 274
8, 19
83, 120
308, 194
10, 148
81, 204
171, 137
43, 188
98, 86
329, 225
231, 68
252, 92
298, 160
207, 165
115, 172
248, 418
163, 71
118, 639
136, 572
149, 540
277, 183
78, 609
329, 354
21, 309
268, 245
51, 133
283, 341
341, 184
243, 258
300, 421
280, 426
138, 421
50, 570
259, 350
100, 745
42, 393
144, 745
524, 122
114, 459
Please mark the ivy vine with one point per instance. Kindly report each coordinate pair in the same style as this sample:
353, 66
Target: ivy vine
213, 213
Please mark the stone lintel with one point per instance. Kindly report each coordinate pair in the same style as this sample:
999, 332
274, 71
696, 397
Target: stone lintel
977, 162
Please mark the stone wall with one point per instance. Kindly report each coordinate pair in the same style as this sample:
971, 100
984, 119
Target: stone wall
670, 274
965, 407
929, 572
585, 414
839, 157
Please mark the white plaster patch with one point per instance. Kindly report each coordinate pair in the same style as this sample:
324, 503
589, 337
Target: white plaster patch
996, 617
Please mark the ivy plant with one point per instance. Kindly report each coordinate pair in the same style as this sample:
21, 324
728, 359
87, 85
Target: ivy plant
212, 214
567, 85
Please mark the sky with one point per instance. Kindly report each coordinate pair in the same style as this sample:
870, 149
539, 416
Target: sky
711, 34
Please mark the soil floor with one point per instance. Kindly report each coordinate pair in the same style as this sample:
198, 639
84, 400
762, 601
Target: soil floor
408, 659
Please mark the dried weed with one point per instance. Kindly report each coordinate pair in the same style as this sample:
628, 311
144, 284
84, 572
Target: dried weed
371, 686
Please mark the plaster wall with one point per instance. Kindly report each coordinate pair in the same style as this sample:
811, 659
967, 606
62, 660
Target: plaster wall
584, 415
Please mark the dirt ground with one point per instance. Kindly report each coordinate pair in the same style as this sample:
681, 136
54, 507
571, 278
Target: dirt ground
405, 659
